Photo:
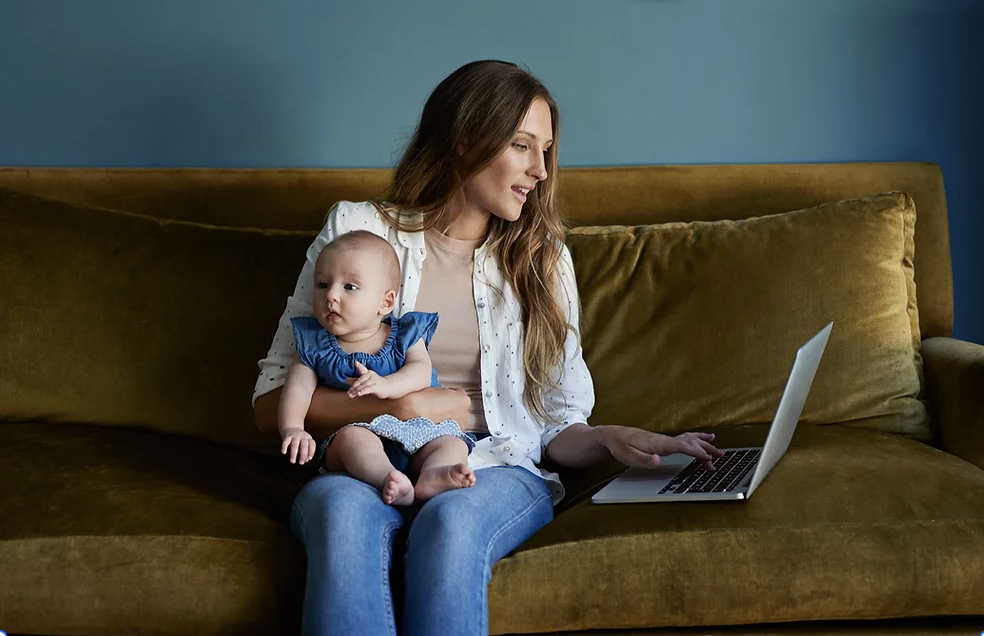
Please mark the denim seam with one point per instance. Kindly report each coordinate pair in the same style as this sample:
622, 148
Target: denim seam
516, 519
388, 531
488, 551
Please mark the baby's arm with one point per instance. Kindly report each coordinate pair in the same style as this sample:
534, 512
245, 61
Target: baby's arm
294, 403
414, 375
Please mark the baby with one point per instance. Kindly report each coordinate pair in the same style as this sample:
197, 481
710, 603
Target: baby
351, 343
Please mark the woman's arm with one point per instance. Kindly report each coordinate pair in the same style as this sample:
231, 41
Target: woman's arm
332, 409
580, 446
573, 399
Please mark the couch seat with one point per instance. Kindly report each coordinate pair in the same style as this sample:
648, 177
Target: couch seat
110, 530
851, 524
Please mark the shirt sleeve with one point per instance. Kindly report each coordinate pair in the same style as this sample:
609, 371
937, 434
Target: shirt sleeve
273, 368
573, 400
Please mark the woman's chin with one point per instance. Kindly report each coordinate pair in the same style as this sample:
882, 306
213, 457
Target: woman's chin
510, 214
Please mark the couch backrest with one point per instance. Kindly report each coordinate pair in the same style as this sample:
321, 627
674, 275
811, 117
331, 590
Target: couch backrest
298, 199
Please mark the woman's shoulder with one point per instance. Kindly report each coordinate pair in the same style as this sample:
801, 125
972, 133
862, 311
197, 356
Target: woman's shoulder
357, 214
348, 216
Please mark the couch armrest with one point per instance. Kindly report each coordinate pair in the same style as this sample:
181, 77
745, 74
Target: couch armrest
954, 372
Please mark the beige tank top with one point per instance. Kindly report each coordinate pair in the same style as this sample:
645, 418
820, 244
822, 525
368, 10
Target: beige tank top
446, 287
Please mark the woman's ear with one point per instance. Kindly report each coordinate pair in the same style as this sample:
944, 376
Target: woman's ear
389, 301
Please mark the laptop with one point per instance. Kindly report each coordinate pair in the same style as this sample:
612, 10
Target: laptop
680, 477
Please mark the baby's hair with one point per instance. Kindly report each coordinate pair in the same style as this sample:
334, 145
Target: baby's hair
365, 240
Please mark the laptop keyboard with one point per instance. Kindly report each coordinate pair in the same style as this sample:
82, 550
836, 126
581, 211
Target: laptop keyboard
731, 469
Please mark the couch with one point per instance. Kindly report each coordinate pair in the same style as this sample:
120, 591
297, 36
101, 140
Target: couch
139, 498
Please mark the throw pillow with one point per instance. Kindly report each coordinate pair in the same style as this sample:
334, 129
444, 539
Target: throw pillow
695, 325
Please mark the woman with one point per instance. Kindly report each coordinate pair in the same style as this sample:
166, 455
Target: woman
471, 215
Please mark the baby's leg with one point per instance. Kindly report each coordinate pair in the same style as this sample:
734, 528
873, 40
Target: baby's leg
359, 452
443, 465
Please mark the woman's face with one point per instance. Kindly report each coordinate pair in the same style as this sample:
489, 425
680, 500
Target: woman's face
501, 187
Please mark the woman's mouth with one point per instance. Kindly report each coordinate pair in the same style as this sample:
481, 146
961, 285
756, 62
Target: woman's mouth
520, 193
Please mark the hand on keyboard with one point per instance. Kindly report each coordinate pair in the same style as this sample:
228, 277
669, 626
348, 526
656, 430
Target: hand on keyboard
636, 447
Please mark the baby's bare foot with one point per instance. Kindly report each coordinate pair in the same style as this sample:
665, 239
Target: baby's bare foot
434, 481
397, 489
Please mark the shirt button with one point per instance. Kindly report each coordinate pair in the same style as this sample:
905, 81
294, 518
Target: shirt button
488, 394
481, 305
506, 448
487, 347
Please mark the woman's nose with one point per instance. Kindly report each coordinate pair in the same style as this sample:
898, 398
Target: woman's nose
538, 169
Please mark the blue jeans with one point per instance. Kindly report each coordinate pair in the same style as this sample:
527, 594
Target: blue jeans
352, 539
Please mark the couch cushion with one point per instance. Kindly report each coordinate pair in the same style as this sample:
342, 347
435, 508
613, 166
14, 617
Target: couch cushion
850, 524
192, 534
120, 319
696, 324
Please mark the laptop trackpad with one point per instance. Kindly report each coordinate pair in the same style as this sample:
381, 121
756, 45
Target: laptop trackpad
648, 479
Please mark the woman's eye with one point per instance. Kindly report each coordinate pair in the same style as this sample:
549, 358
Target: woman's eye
521, 146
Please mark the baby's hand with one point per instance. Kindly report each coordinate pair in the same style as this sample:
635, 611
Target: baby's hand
369, 383
300, 444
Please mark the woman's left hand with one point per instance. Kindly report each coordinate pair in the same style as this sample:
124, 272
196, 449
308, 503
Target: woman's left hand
636, 447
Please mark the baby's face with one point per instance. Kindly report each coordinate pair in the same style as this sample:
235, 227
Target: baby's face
350, 288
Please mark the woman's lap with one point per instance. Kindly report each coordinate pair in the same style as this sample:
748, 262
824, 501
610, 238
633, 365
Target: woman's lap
453, 541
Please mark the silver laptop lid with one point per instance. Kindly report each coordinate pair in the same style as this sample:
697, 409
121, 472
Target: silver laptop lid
790, 405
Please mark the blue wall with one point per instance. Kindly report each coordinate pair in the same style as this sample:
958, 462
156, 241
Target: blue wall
256, 83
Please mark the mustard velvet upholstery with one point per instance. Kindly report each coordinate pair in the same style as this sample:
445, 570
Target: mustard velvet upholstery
113, 318
297, 199
850, 524
697, 324
124, 531
954, 379
135, 500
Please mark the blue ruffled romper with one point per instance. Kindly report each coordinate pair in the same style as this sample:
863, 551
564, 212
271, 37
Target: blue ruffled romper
319, 350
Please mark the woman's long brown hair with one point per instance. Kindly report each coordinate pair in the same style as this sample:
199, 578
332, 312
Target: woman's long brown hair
480, 107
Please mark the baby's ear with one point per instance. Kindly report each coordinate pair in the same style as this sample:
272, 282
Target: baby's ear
389, 301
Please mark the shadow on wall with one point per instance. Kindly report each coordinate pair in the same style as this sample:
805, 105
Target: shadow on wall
961, 138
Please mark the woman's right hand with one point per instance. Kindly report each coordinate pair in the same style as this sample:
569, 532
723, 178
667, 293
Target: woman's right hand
436, 404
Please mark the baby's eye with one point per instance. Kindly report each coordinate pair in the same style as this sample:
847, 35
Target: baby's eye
350, 287
322, 285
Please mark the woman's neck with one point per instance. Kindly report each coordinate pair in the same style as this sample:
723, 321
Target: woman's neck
465, 221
